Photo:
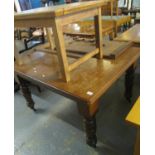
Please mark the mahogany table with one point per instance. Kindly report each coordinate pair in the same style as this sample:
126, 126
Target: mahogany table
88, 82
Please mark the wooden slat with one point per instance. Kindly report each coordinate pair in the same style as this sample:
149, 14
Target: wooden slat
83, 59
98, 33
49, 51
60, 47
49, 38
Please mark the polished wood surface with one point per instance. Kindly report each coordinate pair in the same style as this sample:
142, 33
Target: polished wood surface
88, 82
132, 34
134, 114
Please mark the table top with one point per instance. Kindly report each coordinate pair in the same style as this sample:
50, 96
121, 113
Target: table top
58, 10
88, 82
134, 114
132, 34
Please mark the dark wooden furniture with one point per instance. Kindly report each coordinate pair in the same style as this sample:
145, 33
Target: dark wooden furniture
88, 82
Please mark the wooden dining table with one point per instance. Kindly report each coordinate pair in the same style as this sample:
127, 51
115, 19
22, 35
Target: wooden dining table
88, 82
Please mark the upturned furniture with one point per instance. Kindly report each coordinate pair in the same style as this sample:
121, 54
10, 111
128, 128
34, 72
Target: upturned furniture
57, 17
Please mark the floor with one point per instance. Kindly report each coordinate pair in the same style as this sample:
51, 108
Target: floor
57, 128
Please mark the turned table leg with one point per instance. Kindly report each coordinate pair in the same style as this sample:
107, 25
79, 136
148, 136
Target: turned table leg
90, 127
26, 93
129, 80
88, 111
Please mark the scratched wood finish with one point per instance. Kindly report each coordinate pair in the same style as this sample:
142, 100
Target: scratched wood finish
43, 68
132, 34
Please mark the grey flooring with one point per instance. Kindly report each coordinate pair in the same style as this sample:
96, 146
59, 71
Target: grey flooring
57, 128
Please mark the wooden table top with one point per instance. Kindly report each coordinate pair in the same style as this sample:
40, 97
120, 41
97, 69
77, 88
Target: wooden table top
134, 114
58, 10
88, 82
132, 34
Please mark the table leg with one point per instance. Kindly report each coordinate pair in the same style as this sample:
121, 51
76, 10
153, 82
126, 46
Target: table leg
129, 79
88, 111
26, 93
90, 127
